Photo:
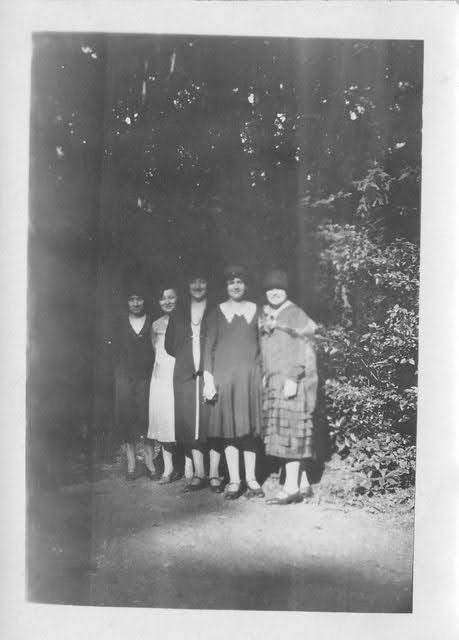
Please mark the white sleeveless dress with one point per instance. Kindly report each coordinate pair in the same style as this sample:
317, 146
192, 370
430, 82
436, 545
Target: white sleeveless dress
161, 424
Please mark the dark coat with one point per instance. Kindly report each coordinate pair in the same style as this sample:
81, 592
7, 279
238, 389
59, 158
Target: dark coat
179, 344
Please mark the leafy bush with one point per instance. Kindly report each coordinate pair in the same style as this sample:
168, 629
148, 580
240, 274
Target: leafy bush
370, 354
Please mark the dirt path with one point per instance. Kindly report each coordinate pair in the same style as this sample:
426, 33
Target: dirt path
139, 544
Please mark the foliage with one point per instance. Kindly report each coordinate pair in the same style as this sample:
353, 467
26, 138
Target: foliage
216, 136
266, 150
370, 368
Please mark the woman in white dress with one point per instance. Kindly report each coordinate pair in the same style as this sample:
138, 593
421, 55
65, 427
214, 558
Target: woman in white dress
161, 425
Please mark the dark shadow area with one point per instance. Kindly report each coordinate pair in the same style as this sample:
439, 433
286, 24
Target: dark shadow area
114, 543
303, 588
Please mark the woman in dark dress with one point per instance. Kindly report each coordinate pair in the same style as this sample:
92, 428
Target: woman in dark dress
232, 384
133, 369
185, 336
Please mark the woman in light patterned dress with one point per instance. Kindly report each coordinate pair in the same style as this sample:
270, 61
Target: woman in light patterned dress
161, 426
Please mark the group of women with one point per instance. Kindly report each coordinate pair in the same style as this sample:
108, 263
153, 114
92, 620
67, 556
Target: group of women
235, 380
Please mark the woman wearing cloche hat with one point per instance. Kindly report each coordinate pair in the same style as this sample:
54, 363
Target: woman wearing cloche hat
290, 383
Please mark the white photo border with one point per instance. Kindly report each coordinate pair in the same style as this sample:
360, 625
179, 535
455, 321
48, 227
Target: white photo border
436, 558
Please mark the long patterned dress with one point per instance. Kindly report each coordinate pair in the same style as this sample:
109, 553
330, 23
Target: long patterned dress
161, 408
288, 353
232, 355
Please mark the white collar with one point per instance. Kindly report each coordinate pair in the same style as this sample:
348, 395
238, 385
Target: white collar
275, 312
245, 309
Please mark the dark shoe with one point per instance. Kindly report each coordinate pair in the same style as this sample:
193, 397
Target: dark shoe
171, 477
307, 494
286, 498
196, 486
130, 476
232, 494
216, 488
256, 492
152, 475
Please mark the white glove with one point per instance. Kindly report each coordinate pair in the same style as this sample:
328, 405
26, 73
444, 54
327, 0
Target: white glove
290, 388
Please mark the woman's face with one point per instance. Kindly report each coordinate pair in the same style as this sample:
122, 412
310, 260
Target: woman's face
276, 297
168, 300
236, 289
136, 305
198, 288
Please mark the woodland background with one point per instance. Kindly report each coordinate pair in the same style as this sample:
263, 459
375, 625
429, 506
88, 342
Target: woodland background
150, 150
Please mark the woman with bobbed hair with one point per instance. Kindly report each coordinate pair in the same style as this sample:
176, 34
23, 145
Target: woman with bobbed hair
134, 357
289, 384
161, 426
185, 338
232, 386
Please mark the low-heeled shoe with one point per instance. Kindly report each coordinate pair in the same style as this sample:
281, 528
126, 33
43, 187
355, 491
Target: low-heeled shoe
152, 475
287, 498
216, 488
171, 477
196, 486
254, 493
232, 495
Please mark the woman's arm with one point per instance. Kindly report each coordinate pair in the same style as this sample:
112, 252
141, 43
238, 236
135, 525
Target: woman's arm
171, 335
210, 347
300, 327
211, 342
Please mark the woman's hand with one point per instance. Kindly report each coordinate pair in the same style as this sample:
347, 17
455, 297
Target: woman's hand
209, 391
290, 388
270, 323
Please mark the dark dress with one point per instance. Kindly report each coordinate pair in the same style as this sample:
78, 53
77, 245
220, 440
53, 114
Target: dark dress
288, 353
179, 344
232, 355
135, 357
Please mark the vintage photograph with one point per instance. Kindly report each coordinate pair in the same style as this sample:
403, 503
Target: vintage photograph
222, 349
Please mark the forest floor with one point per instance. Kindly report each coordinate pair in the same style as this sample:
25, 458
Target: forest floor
106, 541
